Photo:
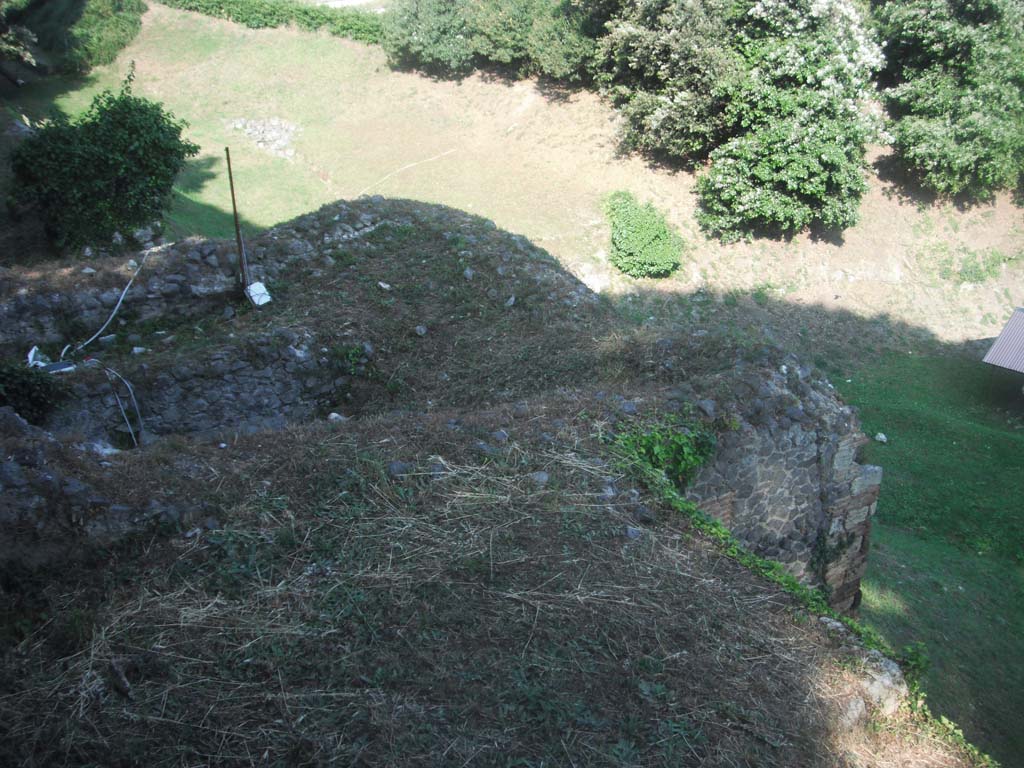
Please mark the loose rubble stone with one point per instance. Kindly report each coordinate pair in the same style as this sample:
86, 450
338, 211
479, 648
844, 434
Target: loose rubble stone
540, 479
397, 469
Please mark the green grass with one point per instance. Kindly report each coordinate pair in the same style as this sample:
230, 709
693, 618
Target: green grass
969, 611
955, 456
949, 536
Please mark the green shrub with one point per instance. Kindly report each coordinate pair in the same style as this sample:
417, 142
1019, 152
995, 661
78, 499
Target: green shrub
670, 68
83, 33
30, 392
432, 35
958, 92
769, 90
109, 170
550, 37
354, 24
784, 176
643, 243
673, 446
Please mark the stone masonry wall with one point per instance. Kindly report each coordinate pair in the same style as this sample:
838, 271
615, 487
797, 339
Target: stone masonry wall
266, 383
787, 481
177, 281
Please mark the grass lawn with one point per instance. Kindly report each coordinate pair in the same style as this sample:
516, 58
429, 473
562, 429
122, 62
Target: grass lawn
537, 161
946, 563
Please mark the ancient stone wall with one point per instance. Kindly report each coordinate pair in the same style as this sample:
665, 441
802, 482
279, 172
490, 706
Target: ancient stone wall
786, 480
179, 281
265, 383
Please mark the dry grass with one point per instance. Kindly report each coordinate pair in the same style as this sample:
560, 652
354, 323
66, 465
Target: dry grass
460, 614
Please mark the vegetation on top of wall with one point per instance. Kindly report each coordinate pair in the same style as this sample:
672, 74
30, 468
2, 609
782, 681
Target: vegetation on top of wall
82, 33
664, 455
643, 243
265, 14
958, 92
109, 170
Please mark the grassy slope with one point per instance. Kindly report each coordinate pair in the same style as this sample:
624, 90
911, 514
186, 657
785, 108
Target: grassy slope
455, 611
946, 567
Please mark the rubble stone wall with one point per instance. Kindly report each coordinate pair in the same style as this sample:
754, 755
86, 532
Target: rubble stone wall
787, 481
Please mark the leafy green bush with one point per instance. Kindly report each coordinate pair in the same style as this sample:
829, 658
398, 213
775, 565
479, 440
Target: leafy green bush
784, 176
550, 37
643, 243
83, 33
673, 446
958, 92
670, 67
432, 35
30, 392
266, 14
110, 169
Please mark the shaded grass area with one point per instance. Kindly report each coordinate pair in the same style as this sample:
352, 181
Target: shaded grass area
969, 611
955, 456
946, 561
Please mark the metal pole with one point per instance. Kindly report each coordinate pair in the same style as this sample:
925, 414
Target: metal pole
238, 229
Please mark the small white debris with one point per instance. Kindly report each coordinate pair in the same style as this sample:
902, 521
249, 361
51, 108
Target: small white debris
784, 369
881, 438
139, 350
337, 418
468, 273
421, 330
88, 271
132, 264
258, 294
222, 446
384, 286
510, 301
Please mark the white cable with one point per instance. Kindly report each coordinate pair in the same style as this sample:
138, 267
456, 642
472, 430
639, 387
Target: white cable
135, 403
117, 306
405, 168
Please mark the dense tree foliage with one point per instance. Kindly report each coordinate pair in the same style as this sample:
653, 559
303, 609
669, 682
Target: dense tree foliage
958, 96
450, 37
81, 34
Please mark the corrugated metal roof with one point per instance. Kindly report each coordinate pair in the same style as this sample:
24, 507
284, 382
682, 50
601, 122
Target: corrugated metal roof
1008, 350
